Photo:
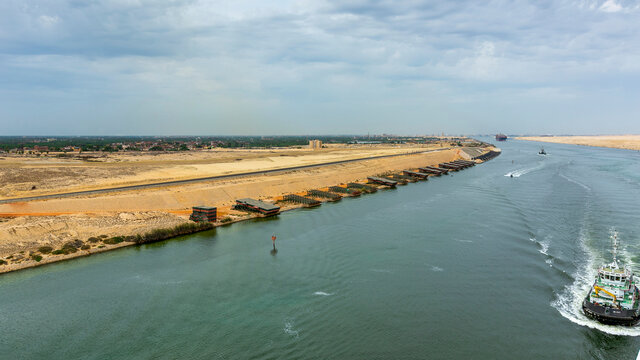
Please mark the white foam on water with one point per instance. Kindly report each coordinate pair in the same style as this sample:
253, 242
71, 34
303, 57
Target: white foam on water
575, 182
289, 330
465, 241
381, 270
520, 172
549, 262
544, 247
569, 301
435, 268
322, 293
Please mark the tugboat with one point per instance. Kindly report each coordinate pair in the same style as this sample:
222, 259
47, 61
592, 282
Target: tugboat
613, 299
542, 152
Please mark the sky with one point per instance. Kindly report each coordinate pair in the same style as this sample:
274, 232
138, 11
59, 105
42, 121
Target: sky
303, 67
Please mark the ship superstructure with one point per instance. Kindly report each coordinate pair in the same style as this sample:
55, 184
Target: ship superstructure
614, 297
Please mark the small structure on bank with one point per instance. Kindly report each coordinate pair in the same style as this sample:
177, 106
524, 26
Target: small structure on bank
204, 214
418, 175
297, 199
345, 190
261, 207
324, 195
433, 170
362, 187
382, 181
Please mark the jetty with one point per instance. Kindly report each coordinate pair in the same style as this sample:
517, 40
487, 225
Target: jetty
415, 174
453, 166
260, 207
363, 187
298, 199
382, 181
345, 190
392, 178
403, 177
324, 195
433, 170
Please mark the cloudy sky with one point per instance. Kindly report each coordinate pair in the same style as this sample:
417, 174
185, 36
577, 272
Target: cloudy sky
135, 67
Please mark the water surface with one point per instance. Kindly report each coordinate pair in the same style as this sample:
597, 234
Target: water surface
475, 265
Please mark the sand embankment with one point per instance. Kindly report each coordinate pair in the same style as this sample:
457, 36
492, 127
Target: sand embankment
26, 226
629, 142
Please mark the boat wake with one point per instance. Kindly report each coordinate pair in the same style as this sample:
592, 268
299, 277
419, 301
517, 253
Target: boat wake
576, 182
520, 172
322, 293
289, 330
569, 301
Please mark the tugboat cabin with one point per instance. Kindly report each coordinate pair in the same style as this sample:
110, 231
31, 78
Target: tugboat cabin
614, 286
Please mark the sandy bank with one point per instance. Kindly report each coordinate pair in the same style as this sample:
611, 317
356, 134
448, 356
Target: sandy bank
629, 142
27, 226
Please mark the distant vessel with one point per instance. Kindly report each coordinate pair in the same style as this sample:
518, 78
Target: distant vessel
542, 152
613, 298
501, 137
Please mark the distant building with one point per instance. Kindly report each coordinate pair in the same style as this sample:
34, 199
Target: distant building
315, 144
40, 149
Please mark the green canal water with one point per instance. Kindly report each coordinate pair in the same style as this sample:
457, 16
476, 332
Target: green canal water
476, 265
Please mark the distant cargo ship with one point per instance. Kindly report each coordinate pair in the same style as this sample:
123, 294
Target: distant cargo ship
501, 137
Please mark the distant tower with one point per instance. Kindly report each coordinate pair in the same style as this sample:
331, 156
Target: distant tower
315, 144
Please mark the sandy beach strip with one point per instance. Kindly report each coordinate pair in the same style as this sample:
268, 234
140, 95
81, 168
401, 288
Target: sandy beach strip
629, 142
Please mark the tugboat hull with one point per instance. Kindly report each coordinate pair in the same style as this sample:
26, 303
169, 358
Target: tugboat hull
609, 315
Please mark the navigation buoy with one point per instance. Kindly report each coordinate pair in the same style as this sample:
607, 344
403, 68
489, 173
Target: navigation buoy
273, 239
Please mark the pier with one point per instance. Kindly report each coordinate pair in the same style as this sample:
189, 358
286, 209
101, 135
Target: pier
261, 207
402, 177
298, 199
415, 174
362, 187
345, 190
324, 195
433, 170
382, 181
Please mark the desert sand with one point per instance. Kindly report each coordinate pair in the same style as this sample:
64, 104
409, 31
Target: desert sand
27, 226
630, 142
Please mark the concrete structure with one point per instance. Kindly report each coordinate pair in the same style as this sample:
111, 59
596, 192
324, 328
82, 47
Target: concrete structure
470, 153
315, 144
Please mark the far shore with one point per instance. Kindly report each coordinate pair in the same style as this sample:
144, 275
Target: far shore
629, 142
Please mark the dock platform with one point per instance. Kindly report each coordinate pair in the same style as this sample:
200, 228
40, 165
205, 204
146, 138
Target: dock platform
261, 207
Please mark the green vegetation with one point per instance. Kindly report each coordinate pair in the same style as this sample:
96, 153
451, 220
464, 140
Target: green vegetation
93, 240
45, 249
184, 143
85, 247
113, 240
225, 219
36, 257
163, 234
132, 238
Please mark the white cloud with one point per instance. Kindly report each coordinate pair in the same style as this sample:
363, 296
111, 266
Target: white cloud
610, 6
48, 21
306, 57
